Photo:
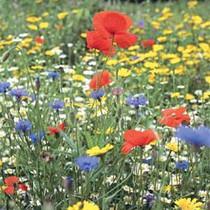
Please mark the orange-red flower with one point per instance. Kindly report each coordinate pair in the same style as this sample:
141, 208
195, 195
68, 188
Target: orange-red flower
95, 41
12, 184
111, 26
135, 138
174, 117
39, 40
54, 130
101, 79
147, 43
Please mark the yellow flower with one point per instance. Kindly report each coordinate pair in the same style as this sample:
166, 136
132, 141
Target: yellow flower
207, 79
62, 15
33, 27
157, 47
135, 47
206, 24
45, 14
173, 146
85, 205
109, 130
189, 96
123, 72
196, 19
204, 46
151, 65
94, 151
151, 78
112, 62
162, 39
188, 204
156, 24
49, 53
205, 95
191, 4
168, 188
37, 67
43, 25
33, 19
1, 163
83, 35
167, 31
78, 77
26, 98
175, 60
175, 95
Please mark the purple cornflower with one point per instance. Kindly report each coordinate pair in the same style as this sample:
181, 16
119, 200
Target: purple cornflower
140, 100
23, 125
117, 91
57, 104
97, 94
18, 93
150, 200
198, 137
4, 86
54, 75
182, 165
35, 137
87, 163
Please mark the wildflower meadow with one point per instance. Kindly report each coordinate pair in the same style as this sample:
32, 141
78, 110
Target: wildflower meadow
104, 105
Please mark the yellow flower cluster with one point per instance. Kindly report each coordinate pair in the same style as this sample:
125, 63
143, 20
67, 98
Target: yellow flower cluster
95, 151
85, 205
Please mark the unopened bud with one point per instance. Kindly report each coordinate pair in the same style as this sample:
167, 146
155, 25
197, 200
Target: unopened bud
5, 56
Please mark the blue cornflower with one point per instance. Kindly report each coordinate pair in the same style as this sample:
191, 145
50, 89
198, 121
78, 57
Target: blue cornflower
23, 125
182, 165
35, 137
18, 93
87, 163
140, 100
200, 136
148, 161
4, 86
67, 182
53, 75
97, 94
141, 24
57, 104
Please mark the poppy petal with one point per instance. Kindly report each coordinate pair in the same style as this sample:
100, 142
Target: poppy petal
10, 190
95, 41
62, 126
101, 79
23, 187
125, 40
11, 180
126, 148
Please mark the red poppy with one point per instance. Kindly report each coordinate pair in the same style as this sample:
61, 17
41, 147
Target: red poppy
54, 130
115, 24
39, 40
135, 138
101, 79
174, 117
147, 43
95, 41
12, 184
110, 25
